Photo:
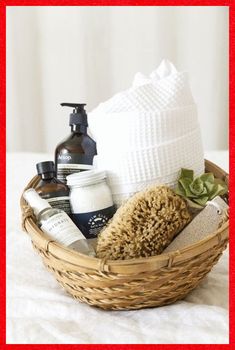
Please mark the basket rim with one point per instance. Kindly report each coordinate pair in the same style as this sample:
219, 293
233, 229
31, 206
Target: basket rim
66, 256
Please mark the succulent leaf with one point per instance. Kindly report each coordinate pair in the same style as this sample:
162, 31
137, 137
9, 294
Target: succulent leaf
209, 177
202, 200
197, 191
187, 173
185, 183
209, 186
197, 187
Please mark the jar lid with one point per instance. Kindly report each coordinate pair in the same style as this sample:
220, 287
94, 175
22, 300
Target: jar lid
84, 178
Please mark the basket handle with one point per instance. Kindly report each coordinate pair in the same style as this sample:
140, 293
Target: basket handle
216, 170
27, 213
26, 210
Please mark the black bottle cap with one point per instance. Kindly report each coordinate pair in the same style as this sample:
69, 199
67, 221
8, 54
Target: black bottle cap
45, 167
79, 116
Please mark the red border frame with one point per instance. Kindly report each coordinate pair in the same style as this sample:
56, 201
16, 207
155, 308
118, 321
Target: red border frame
3, 4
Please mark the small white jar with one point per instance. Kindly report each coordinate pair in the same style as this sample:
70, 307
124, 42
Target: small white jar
91, 201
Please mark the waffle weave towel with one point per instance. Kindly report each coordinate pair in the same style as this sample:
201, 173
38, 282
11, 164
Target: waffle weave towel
147, 133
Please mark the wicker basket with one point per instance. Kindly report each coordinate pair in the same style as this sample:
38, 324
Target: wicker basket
129, 284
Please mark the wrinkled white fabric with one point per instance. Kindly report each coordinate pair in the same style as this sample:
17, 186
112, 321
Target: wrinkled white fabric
39, 311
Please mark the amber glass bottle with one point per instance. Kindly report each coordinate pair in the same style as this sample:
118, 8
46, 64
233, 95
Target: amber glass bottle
51, 189
76, 152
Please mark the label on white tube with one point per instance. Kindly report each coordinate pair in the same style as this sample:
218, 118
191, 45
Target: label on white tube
61, 228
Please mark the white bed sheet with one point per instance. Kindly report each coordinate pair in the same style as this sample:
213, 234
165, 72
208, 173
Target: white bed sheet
40, 312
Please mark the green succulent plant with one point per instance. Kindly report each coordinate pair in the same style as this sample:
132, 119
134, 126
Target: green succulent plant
197, 191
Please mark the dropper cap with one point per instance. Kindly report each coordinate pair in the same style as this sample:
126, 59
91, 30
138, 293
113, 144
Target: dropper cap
35, 201
79, 116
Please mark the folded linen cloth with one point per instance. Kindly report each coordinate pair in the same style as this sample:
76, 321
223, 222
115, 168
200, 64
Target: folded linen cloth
147, 133
205, 223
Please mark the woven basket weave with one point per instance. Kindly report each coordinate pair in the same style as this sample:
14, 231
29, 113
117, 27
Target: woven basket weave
128, 284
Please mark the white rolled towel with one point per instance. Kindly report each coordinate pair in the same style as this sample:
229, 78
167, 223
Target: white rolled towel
147, 133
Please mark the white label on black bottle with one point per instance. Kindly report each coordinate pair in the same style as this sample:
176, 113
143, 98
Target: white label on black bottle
64, 170
61, 228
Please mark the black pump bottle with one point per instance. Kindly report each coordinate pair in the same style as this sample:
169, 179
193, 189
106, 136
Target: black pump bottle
76, 152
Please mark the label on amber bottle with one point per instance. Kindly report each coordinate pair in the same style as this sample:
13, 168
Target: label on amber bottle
62, 203
58, 200
72, 163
